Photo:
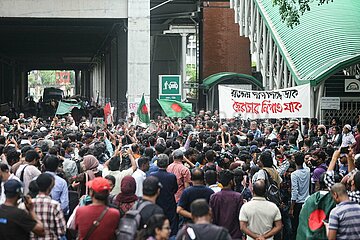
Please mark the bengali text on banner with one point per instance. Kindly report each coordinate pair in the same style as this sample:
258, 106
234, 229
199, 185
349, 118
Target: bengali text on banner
282, 103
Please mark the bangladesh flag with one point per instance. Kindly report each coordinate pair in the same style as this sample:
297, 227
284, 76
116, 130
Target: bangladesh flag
64, 108
174, 108
315, 209
143, 111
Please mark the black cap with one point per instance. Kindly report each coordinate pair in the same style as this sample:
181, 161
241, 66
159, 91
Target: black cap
12, 188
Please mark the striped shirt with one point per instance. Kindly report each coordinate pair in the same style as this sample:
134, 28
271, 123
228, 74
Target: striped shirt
344, 218
52, 217
330, 181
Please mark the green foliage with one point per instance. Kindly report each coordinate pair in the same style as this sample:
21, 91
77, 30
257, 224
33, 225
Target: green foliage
291, 10
48, 77
191, 72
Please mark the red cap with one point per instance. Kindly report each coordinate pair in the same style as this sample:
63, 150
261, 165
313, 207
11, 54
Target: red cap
99, 184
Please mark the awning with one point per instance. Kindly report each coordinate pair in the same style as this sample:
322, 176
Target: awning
217, 78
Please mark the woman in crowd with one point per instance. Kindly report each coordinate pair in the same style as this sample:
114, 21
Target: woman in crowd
127, 198
157, 228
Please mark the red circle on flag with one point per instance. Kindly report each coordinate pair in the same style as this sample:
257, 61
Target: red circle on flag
316, 219
176, 107
144, 109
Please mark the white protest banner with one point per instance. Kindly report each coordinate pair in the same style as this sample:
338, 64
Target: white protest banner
283, 103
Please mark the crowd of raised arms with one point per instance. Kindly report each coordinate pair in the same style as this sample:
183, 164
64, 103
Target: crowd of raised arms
199, 177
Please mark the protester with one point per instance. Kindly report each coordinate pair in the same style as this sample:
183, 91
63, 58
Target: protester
77, 152
48, 210
112, 167
198, 190
227, 217
126, 199
16, 223
181, 172
59, 192
151, 191
157, 228
97, 221
259, 218
166, 199
139, 175
344, 219
5, 176
300, 182
28, 171
202, 228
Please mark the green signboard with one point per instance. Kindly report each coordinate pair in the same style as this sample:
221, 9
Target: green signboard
171, 97
169, 85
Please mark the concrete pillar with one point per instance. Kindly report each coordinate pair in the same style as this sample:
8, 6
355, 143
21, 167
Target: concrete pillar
77, 82
138, 52
122, 75
183, 62
82, 83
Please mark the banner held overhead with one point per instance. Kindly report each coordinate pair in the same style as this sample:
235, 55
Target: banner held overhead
283, 103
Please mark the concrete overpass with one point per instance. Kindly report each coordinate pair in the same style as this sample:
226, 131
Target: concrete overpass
108, 44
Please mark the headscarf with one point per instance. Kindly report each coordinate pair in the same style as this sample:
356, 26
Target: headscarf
128, 188
90, 163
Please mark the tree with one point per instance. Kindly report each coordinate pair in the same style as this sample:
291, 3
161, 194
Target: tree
290, 10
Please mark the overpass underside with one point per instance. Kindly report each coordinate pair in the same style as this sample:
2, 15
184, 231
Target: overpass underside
95, 48
106, 43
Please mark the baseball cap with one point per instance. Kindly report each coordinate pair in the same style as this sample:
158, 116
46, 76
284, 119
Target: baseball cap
12, 188
348, 127
99, 185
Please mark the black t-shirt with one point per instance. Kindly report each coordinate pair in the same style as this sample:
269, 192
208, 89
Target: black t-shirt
149, 211
15, 223
203, 232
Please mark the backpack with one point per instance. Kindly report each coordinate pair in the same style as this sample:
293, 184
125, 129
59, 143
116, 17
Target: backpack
272, 190
191, 232
130, 223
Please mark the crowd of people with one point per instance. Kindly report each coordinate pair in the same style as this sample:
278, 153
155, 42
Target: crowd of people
199, 177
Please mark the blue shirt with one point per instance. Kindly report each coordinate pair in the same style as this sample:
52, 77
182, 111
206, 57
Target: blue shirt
300, 180
166, 199
60, 192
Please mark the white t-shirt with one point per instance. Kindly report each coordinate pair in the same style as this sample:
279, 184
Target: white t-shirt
139, 177
118, 177
2, 193
30, 173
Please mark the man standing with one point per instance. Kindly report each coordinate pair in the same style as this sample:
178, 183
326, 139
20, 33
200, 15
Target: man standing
115, 169
5, 175
139, 175
226, 205
60, 191
300, 180
48, 210
151, 191
28, 171
344, 221
348, 139
259, 218
16, 223
197, 191
107, 218
181, 172
202, 229
166, 199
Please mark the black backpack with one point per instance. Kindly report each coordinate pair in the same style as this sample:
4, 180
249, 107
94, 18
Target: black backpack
130, 223
272, 190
